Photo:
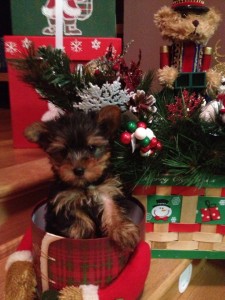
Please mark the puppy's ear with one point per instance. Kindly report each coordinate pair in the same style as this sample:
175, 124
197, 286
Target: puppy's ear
37, 133
109, 119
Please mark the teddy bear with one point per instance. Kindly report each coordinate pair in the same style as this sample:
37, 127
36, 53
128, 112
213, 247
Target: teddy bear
187, 25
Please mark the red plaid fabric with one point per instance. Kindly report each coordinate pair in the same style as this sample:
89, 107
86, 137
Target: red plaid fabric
75, 262
86, 9
78, 262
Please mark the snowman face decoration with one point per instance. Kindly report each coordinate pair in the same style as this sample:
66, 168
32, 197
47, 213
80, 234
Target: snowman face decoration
161, 211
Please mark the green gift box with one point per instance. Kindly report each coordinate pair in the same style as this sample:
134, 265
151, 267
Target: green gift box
79, 17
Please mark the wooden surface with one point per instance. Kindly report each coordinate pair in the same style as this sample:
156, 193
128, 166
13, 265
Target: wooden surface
163, 273
8, 155
19, 168
24, 180
207, 283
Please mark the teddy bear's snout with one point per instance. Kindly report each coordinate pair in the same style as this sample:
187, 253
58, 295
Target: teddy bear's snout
195, 23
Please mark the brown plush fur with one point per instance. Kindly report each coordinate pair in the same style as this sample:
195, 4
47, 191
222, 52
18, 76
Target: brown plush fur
177, 26
174, 26
70, 293
20, 281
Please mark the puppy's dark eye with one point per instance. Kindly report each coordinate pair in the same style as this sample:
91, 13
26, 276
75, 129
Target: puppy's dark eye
92, 148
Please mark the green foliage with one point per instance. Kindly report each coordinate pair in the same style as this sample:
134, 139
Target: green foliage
193, 149
146, 82
48, 70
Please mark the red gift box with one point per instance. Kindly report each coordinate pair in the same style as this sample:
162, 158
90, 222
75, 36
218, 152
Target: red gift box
26, 106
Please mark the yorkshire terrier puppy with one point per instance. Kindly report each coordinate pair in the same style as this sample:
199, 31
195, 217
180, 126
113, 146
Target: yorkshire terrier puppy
87, 201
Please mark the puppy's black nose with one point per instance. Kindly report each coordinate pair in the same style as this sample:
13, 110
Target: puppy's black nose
195, 23
79, 171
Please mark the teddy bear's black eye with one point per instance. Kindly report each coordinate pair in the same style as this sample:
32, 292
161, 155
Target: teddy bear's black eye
184, 15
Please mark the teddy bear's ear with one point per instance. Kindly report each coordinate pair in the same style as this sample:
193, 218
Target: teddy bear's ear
109, 119
37, 133
163, 15
214, 17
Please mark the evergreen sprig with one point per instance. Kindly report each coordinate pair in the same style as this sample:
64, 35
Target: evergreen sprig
48, 70
58, 80
193, 149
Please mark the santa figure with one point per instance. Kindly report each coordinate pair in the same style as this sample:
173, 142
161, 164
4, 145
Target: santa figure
161, 211
71, 13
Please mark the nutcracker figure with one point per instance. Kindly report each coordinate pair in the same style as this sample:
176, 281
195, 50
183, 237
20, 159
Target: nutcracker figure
187, 25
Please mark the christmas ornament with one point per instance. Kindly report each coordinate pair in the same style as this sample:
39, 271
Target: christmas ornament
140, 133
95, 97
145, 142
141, 124
210, 212
125, 138
140, 136
142, 105
131, 126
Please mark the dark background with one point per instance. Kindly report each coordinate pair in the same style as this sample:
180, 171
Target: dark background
5, 29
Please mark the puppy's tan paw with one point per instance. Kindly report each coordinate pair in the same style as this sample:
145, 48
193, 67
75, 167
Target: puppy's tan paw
83, 228
126, 236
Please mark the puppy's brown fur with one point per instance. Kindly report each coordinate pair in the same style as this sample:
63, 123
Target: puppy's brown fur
87, 201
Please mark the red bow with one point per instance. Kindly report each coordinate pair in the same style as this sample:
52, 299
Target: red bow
157, 218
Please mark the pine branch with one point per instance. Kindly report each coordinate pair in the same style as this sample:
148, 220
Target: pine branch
146, 82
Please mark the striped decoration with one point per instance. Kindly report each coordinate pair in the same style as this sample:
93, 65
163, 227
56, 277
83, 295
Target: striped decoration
186, 238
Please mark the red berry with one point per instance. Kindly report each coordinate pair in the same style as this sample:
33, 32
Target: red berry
145, 149
125, 138
159, 146
97, 72
116, 67
141, 124
153, 142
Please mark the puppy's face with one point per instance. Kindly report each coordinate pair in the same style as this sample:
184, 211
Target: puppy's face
77, 145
